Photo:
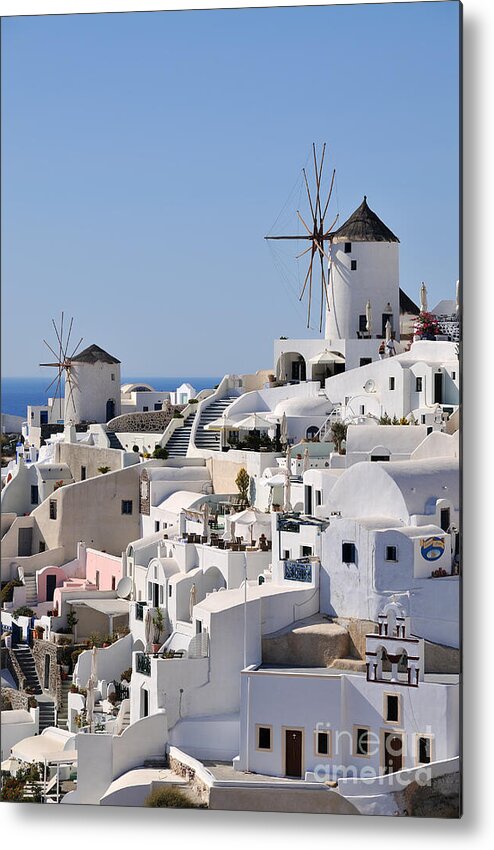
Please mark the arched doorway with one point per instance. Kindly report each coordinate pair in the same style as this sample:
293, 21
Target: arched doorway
110, 409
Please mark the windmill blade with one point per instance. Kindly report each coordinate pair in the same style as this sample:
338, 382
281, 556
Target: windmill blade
54, 354
307, 275
323, 286
303, 222
68, 338
318, 175
75, 349
321, 250
56, 376
333, 224
71, 393
310, 291
57, 388
308, 193
49, 364
303, 252
59, 340
330, 193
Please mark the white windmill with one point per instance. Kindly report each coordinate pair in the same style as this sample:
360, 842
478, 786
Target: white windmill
64, 380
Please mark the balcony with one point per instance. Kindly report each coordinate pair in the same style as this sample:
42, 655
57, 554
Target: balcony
143, 664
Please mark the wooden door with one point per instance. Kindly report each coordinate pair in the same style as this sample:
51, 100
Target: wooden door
393, 752
293, 752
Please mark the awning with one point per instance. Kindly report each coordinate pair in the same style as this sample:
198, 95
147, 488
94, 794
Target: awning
110, 607
327, 357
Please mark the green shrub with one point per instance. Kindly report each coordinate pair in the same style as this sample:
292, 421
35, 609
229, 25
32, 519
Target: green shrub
169, 797
177, 414
23, 611
126, 674
160, 453
7, 591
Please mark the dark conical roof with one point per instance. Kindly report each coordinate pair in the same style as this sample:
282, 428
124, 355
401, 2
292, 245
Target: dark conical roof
92, 354
364, 226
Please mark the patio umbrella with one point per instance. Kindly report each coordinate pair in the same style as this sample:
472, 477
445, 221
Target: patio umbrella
94, 666
423, 298
284, 430
232, 532
148, 627
192, 599
368, 316
255, 421
388, 331
287, 506
281, 369
306, 462
249, 518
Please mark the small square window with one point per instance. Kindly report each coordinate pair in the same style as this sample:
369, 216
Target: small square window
323, 743
353, 265
391, 553
424, 750
127, 506
392, 708
348, 553
145, 409
264, 737
306, 551
418, 385
348, 247
364, 361
53, 509
157, 406
391, 383
361, 741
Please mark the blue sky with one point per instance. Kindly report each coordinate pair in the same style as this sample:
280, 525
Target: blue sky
145, 156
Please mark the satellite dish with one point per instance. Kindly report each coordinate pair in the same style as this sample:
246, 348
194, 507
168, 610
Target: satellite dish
370, 386
124, 587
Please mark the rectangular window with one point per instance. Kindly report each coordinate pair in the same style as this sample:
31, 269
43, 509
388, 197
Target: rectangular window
34, 494
392, 708
362, 323
348, 247
157, 406
391, 553
348, 553
308, 499
424, 750
53, 509
286, 554
145, 409
113, 582
306, 551
364, 361
83, 473
318, 498
353, 265
391, 383
113, 376
42, 546
422, 419
127, 506
156, 525
169, 590
418, 385
361, 741
323, 741
453, 375
362, 409
161, 594
445, 521
198, 627
97, 579
263, 737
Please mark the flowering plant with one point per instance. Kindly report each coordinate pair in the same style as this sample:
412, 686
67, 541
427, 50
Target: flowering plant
426, 323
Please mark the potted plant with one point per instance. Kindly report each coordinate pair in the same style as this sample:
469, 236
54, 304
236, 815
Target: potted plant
426, 326
158, 623
39, 631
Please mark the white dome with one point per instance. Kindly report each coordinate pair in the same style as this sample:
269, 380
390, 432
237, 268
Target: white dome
303, 406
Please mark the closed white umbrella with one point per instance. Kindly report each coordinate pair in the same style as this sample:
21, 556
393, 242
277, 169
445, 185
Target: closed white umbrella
192, 599
306, 463
94, 665
284, 430
281, 370
205, 519
148, 628
287, 505
368, 316
232, 531
423, 298
90, 702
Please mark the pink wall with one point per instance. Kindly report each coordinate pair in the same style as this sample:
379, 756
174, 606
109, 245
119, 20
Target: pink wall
41, 580
108, 566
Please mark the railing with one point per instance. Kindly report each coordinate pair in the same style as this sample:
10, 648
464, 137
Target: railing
334, 416
143, 664
140, 606
121, 690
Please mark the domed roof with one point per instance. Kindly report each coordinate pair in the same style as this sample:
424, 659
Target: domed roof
303, 406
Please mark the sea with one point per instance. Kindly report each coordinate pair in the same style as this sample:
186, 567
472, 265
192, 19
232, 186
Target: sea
17, 393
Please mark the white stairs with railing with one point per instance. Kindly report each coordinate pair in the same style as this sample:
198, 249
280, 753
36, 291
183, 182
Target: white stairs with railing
31, 591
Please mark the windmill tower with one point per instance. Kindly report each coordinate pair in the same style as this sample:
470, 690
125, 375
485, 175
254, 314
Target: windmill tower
91, 380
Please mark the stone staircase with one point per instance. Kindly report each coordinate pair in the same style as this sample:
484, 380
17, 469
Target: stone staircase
31, 591
114, 441
47, 714
178, 443
63, 711
211, 439
25, 660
